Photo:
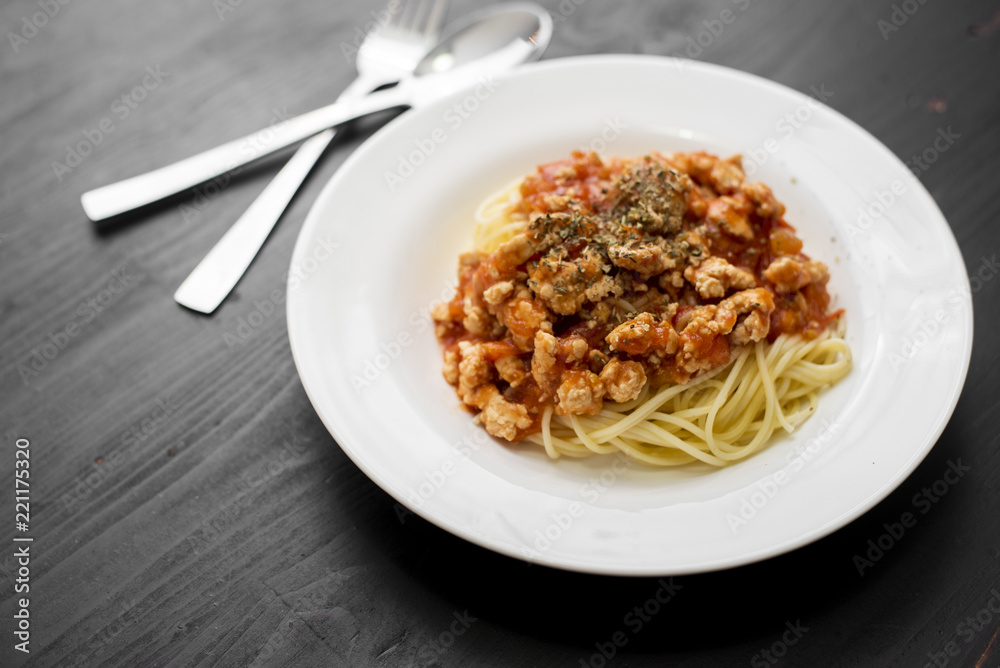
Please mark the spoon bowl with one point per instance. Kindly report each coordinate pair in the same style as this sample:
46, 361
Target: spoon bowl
497, 37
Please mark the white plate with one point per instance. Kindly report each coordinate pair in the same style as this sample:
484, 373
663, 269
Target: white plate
373, 257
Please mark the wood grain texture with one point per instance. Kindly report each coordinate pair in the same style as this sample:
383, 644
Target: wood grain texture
189, 508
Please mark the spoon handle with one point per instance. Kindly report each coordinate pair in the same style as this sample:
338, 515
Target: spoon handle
221, 269
118, 198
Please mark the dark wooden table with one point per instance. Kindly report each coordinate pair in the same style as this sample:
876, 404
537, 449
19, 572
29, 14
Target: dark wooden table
189, 508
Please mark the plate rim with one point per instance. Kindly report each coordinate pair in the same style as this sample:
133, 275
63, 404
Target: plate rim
589, 566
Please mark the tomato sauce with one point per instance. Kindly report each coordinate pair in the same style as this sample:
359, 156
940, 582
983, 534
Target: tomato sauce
720, 217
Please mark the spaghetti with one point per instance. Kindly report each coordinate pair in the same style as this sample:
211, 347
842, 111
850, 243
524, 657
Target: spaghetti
658, 307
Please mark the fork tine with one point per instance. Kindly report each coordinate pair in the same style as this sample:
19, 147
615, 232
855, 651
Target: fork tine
399, 20
435, 19
418, 15
414, 19
413, 8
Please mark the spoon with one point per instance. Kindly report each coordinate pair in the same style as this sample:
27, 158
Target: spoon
471, 55
211, 281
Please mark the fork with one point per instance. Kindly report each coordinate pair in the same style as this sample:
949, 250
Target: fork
386, 54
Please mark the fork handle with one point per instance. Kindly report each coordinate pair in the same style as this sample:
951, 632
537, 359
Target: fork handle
363, 85
221, 269
138, 191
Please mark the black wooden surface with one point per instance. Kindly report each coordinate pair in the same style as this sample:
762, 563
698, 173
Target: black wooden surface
188, 507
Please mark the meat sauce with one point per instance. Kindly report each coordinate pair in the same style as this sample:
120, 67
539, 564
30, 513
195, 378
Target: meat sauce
654, 269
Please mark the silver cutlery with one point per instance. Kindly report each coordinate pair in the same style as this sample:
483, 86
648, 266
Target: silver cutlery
487, 47
387, 54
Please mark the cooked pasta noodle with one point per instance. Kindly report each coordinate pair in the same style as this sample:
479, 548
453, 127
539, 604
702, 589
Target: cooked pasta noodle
715, 415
